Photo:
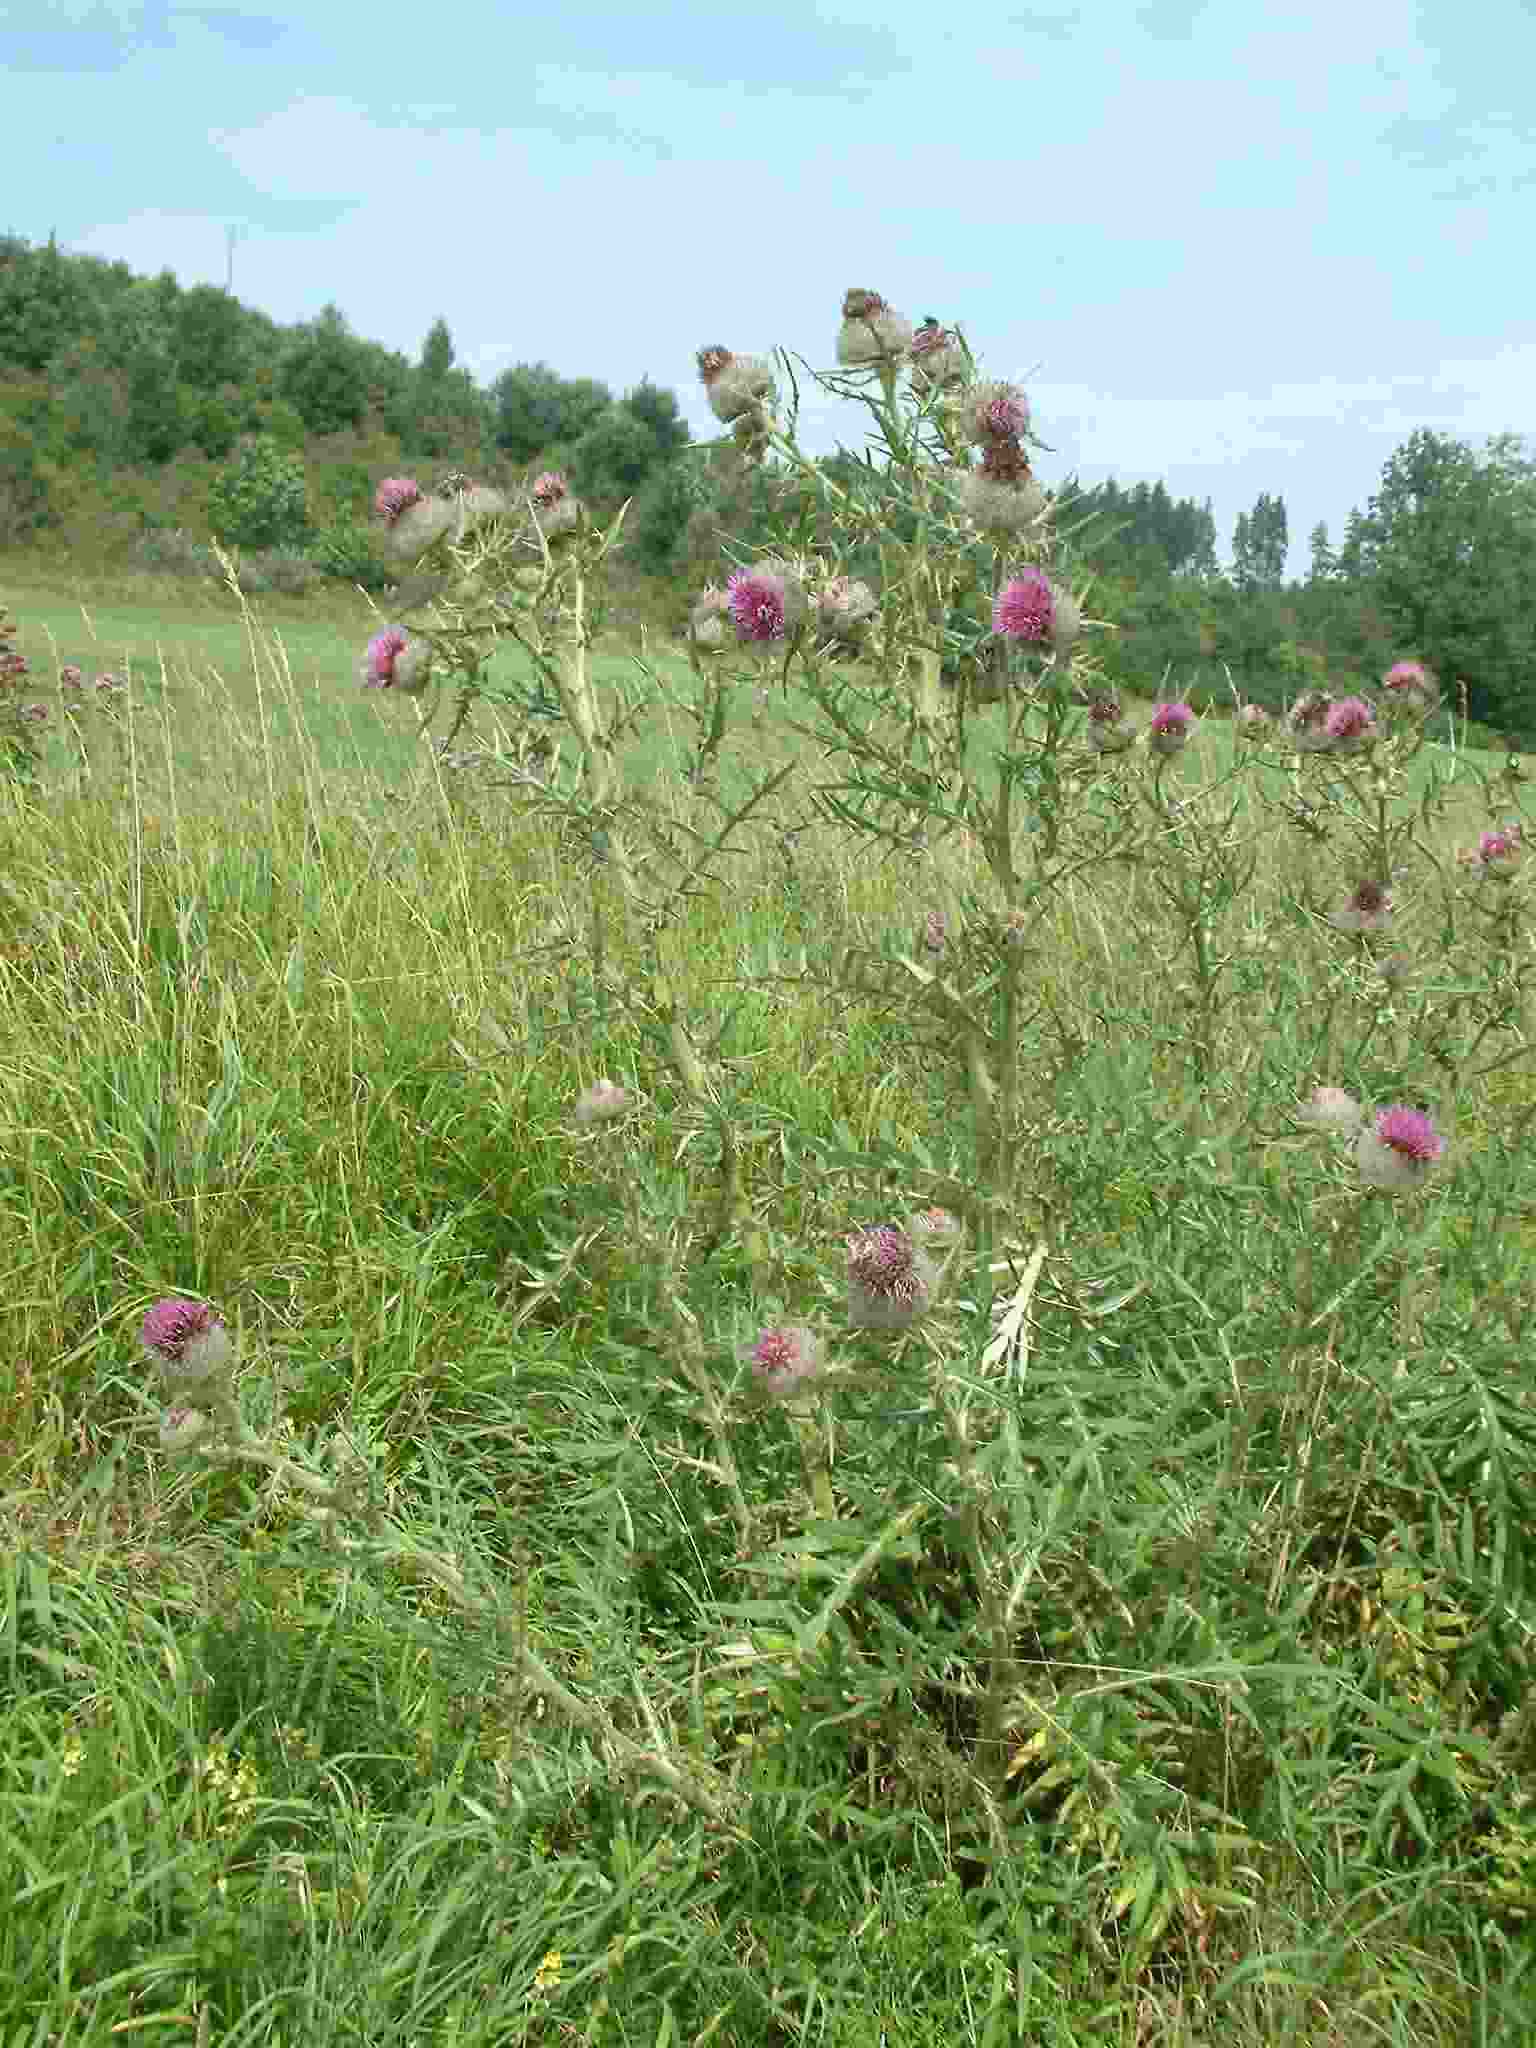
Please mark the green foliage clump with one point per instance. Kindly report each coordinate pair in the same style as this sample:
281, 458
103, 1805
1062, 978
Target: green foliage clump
323, 375
261, 499
348, 549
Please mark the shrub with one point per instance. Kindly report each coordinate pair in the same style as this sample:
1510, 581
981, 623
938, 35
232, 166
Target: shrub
348, 549
173, 552
212, 426
261, 499
285, 570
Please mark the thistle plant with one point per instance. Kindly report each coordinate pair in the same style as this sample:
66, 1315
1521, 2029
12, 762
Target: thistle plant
920, 624
21, 721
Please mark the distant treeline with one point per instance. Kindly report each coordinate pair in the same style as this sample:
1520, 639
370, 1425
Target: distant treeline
128, 404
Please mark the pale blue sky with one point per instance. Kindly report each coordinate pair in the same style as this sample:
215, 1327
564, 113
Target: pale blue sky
1237, 248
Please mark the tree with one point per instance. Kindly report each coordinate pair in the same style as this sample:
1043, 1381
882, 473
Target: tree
156, 423
323, 375
658, 410
437, 352
1452, 548
658, 526
210, 338
1259, 542
535, 408
614, 456
1356, 558
1324, 563
43, 306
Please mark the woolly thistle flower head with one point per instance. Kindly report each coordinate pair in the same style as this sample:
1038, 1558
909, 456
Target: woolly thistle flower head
737, 387
1307, 722
554, 508
890, 1279
1410, 687
1025, 607
999, 506
845, 607
1350, 725
1398, 1150
1170, 727
1369, 909
1253, 722
706, 622
418, 525
189, 1343
396, 495
767, 602
1497, 853
602, 1102
938, 360
937, 1227
1066, 620
1109, 730
783, 1358
995, 411
181, 1428
69, 676
1330, 1109
396, 662
871, 334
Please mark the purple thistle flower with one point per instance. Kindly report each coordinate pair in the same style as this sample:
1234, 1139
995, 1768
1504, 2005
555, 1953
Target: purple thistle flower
996, 411
1025, 608
1400, 1148
384, 649
766, 602
890, 1282
1410, 686
1350, 724
174, 1323
1170, 727
1500, 848
189, 1343
548, 487
396, 495
784, 1358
